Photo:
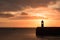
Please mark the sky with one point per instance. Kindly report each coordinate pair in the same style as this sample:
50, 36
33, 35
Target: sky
29, 13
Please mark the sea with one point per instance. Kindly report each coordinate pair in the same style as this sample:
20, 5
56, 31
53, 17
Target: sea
23, 34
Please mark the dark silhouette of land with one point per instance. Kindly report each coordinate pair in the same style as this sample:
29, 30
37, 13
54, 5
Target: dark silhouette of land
47, 31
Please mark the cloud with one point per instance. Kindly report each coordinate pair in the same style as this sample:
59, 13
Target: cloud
23, 13
20, 5
15, 5
6, 15
27, 17
55, 6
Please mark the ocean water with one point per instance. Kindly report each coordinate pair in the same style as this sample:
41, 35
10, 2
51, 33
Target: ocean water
22, 34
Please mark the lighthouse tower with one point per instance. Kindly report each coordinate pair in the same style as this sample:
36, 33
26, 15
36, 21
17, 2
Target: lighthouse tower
42, 24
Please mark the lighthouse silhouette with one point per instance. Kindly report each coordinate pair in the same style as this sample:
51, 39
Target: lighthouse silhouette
42, 28
47, 31
42, 24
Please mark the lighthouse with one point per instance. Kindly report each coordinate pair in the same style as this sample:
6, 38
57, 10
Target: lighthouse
47, 31
42, 24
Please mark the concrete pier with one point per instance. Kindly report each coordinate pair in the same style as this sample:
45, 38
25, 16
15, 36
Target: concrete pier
47, 31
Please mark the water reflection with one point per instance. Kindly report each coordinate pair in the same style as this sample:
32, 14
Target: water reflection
22, 34
49, 38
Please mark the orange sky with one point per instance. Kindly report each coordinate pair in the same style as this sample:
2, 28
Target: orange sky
33, 19
32, 16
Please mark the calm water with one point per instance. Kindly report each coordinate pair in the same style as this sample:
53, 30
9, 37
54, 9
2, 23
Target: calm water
22, 34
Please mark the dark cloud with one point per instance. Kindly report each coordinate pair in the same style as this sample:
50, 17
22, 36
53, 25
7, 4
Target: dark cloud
9, 5
6, 15
15, 5
58, 9
23, 13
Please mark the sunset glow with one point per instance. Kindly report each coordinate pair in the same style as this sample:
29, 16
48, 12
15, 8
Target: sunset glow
30, 14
